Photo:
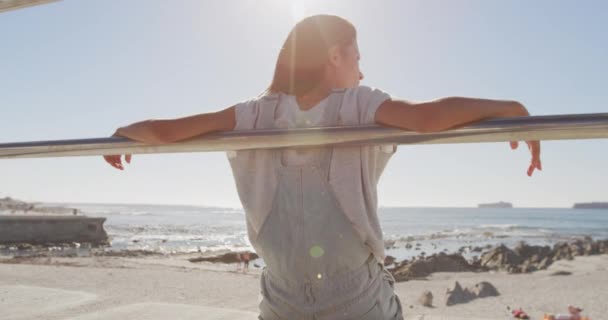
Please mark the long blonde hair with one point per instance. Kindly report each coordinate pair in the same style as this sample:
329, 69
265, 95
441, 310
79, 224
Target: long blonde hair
301, 63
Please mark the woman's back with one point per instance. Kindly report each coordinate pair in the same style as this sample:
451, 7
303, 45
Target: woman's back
353, 172
317, 263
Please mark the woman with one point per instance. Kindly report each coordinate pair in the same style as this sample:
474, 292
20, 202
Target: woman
311, 213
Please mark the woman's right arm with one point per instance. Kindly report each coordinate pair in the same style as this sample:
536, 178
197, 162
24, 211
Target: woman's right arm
173, 130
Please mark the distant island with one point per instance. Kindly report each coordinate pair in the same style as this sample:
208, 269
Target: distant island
591, 205
500, 204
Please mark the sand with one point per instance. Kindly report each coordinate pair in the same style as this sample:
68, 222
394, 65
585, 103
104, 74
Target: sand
171, 287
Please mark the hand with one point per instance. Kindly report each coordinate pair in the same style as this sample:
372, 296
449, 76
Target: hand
114, 160
533, 146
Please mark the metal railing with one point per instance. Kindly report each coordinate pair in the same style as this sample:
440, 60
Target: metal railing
555, 127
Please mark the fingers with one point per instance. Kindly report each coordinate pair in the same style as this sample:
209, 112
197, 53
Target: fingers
532, 167
534, 147
115, 161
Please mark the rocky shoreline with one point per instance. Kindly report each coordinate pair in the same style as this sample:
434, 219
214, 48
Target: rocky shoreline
523, 258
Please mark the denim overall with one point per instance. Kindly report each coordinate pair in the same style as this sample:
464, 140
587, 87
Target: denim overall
317, 267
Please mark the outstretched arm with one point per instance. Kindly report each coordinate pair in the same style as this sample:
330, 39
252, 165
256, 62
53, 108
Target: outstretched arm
446, 113
172, 130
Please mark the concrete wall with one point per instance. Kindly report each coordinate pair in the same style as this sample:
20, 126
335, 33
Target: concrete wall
52, 229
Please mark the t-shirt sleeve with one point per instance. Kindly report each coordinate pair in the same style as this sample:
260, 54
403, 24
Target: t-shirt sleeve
245, 113
368, 100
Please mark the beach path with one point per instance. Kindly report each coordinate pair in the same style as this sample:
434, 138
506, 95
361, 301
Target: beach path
87, 288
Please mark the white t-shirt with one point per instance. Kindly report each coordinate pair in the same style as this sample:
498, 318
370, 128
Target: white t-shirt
354, 171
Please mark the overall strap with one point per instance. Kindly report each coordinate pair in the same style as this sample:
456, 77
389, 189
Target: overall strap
332, 116
267, 120
267, 110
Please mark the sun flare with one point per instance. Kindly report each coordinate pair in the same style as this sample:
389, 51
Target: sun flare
298, 10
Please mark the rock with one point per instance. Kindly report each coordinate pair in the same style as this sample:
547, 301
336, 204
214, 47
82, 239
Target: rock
457, 295
545, 263
514, 269
408, 245
603, 247
484, 289
562, 250
526, 251
436, 263
230, 257
576, 248
528, 266
590, 248
124, 253
426, 299
475, 262
389, 260
500, 257
537, 258
24, 246
402, 263
579, 247
415, 270
448, 263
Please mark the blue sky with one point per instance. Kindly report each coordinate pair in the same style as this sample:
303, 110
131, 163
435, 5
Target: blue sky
80, 69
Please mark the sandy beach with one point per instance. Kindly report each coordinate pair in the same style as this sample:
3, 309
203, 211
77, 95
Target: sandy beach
163, 287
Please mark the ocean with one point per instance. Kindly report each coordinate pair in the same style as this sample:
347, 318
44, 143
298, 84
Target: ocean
186, 229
